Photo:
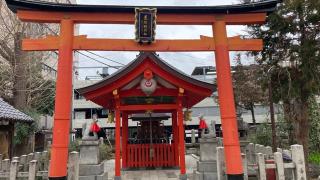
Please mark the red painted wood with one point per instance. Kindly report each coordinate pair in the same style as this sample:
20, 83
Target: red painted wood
181, 139
142, 156
175, 138
124, 139
136, 155
155, 157
158, 155
130, 162
132, 156
149, 106
172, 159
195, 91
147, 155
226, 101
129, 155
128, 18
59, 151
139, 155
165, 157
117, 146
169, 156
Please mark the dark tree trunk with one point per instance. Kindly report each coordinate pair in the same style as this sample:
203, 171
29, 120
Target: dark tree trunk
253, 115
19, 64
301, 126
297, 113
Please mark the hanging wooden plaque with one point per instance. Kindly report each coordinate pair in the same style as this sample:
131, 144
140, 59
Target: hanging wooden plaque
145, 24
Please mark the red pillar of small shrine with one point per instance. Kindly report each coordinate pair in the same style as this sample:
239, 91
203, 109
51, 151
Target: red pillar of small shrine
175, 137
124, 139
227, 104
181, 139
117, 146
62, 112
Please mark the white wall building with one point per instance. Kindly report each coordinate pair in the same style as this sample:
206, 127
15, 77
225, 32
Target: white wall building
84, 109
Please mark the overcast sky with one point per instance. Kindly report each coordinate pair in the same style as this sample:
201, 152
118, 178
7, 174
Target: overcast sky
185, 61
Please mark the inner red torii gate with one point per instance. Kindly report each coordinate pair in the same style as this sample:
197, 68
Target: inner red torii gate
216, 16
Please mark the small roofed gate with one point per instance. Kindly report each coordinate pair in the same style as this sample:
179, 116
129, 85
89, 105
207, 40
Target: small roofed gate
150, 92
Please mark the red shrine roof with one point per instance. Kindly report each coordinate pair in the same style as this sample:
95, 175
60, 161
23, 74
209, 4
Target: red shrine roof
127, 82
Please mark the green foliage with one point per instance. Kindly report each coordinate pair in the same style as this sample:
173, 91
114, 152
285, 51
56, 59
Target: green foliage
264, 133
284, 130
105, 152
24, 130
291, 58
314, 158
291, 47
263, 137
314, 118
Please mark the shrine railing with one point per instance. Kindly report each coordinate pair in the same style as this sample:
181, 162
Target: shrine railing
147, 155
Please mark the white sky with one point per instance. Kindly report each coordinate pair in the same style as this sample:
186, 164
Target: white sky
185, 61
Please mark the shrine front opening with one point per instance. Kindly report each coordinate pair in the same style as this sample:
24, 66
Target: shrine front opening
149, 91
151, 144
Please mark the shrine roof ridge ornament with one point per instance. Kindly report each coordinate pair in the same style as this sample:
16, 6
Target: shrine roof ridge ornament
255, 7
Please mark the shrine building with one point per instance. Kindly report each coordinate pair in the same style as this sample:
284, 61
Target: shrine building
148, 90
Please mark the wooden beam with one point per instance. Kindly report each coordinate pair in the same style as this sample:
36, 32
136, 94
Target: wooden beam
148, 107
84, 43
49, 43
128, 18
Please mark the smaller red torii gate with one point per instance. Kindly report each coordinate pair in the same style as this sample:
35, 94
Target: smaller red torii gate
216, 16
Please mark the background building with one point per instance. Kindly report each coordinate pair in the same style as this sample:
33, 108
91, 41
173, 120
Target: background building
83, 110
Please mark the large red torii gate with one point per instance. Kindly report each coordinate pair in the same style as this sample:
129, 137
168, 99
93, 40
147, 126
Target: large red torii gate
67, 15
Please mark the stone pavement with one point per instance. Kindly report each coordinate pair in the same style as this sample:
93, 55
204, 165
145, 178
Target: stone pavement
159, 174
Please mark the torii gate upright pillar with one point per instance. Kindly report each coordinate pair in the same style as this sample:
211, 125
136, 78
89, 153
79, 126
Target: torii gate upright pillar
226, 102
63, 101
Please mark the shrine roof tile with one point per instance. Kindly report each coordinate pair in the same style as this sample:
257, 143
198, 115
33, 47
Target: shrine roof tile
9, 113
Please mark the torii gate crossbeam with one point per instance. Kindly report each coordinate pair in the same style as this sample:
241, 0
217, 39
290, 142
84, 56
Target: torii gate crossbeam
66, 42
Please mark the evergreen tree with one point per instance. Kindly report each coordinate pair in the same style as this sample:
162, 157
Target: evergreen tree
291, 51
